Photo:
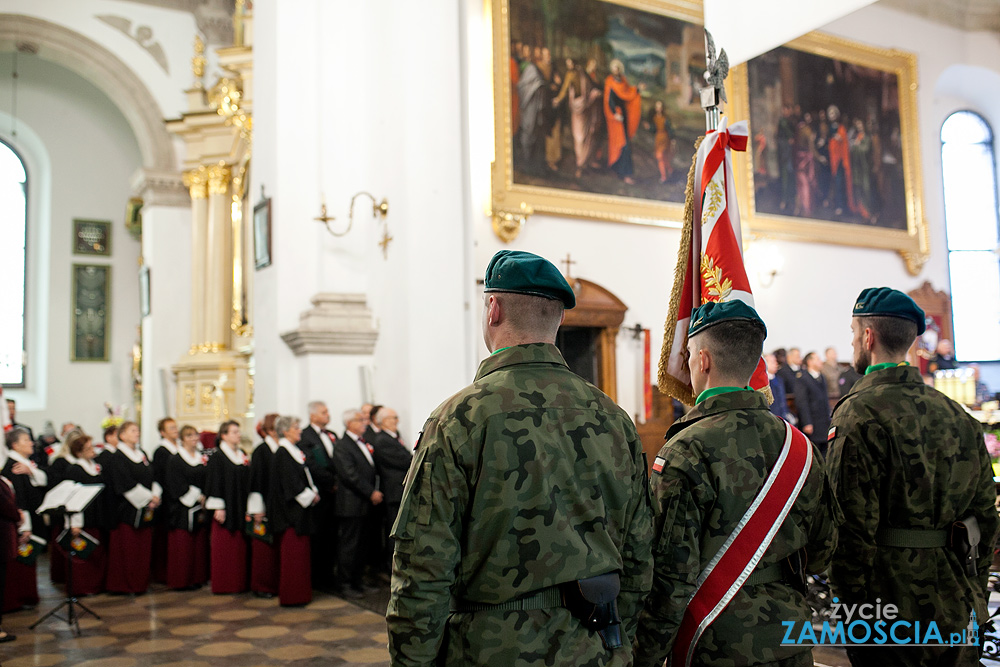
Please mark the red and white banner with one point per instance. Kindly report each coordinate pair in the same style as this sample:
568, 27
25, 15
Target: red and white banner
729, 569
722, 274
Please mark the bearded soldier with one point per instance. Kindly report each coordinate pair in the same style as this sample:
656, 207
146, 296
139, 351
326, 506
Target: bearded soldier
523, 537
911, 472
740, 495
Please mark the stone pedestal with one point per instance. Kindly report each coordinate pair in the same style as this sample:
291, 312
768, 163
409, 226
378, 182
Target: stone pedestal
336, 324
213, 387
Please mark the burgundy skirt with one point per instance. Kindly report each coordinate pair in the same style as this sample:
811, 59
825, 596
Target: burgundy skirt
22, 586
88, 574
295, 587
264, 572
129, 553
187, 558
229, 560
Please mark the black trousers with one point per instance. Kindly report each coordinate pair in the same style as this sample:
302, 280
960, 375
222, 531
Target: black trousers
351, 530
323, 547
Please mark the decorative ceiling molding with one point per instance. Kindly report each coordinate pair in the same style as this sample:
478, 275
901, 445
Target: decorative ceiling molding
213, 17
142, 36
96, 64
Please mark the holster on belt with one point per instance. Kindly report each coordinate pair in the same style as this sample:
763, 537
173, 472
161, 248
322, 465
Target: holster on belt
594, 602
794, 570
964, 541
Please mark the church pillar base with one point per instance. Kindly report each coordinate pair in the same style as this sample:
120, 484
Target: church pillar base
212, 387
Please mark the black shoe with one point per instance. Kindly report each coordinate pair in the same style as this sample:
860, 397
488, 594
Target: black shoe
7, 637
263, 594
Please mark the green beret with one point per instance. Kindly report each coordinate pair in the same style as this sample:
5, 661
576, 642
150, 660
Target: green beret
526, 273
713, 313
889, 302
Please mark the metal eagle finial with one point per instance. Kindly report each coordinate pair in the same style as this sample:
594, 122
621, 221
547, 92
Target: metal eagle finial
717, 66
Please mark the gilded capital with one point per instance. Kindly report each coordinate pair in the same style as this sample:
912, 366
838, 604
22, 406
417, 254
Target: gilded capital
196, 180
219, 176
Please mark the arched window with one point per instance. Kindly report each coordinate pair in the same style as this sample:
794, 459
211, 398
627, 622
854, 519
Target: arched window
13, 233
970, 208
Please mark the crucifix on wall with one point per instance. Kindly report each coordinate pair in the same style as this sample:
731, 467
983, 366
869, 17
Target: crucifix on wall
567, 262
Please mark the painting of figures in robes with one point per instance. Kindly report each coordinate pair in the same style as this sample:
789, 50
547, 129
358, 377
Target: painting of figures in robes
597, 100
834, 149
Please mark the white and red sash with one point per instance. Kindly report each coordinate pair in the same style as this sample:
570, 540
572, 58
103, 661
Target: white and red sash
743, 549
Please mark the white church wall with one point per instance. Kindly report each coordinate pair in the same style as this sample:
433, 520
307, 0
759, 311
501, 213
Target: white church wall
335, 117
808, 304
91, 154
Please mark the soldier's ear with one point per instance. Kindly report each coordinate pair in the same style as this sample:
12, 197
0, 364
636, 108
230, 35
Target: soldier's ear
494, 311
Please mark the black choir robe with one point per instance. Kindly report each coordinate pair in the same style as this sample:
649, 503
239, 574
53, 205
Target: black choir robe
227, 485
88, 574
95, 517
29, 490
261, 474
132, 486
292, 492
184, 484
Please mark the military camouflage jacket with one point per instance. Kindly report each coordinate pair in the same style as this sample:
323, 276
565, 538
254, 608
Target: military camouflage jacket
528, 478
716, 460
904, 455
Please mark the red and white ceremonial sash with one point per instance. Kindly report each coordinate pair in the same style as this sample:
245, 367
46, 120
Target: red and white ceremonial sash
743, 549
722, 274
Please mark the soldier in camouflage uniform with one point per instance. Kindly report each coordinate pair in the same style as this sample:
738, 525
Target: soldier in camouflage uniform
529, 478
905, 463
705, 478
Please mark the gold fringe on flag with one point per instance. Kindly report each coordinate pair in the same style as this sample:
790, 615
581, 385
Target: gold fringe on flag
667, 384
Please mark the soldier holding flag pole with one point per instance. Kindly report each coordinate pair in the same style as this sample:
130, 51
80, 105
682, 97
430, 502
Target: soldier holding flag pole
741, 499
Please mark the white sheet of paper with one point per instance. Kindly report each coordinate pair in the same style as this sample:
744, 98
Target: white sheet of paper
57, 496
82, 496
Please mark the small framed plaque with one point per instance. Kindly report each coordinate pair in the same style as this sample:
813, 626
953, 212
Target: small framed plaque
92, 237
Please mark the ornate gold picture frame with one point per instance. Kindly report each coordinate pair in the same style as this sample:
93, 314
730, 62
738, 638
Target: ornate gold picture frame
834, 155
596, 109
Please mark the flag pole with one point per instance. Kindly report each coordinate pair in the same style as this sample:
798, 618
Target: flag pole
716, 70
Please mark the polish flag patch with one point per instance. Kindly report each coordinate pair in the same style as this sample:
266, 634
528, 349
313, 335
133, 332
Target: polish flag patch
832, 433
658, 464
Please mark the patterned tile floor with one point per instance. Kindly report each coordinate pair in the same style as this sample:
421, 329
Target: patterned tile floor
196, 628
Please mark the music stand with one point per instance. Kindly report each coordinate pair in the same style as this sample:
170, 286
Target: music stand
74, 498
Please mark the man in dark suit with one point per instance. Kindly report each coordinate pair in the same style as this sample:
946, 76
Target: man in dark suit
357, 494
392, 461
318, 444
371, 428
789, 366
780, 404
812, 401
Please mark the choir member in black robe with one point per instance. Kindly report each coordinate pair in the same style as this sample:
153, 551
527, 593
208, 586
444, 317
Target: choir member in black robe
56, 471
108, 447
29, 482
88, 573
165, 450
10, 518
187, 551
137, 495
263, 556
227, 485
294, 497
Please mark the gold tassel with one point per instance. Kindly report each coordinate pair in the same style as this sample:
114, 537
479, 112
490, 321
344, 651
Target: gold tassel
667, 384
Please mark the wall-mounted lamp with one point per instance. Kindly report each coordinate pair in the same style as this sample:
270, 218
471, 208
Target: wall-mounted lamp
764, 258
380, 209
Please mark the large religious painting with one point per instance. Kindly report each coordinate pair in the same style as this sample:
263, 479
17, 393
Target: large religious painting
597, 107
834, 151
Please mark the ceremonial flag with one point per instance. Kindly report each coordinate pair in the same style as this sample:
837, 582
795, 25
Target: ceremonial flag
712, 237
